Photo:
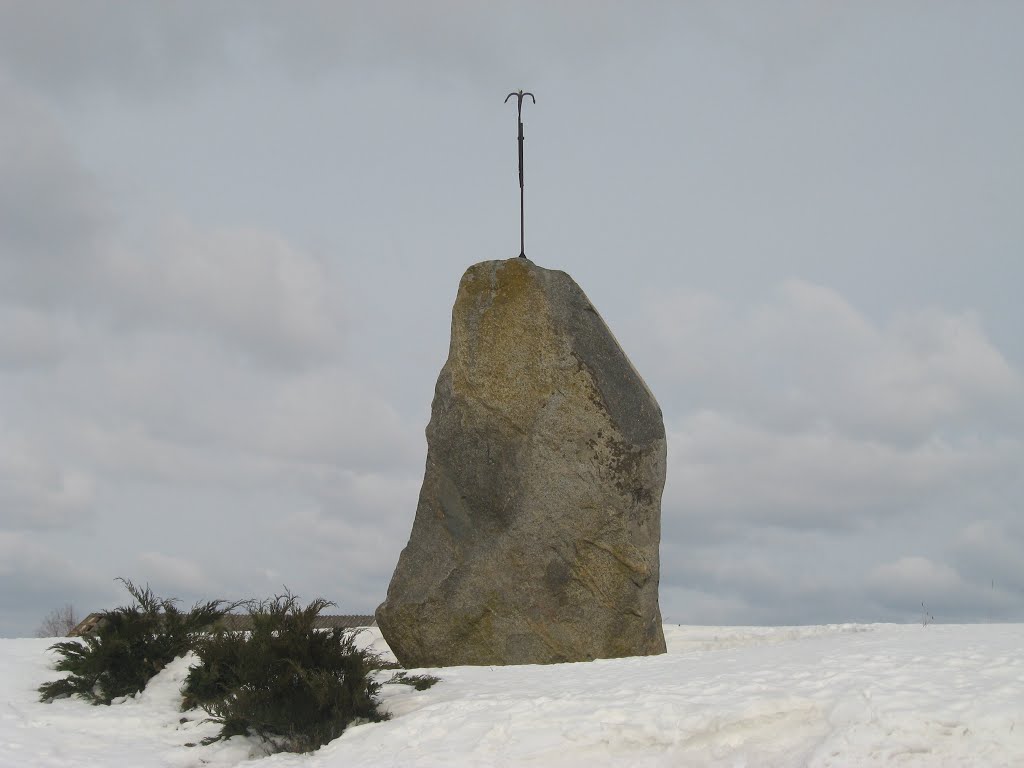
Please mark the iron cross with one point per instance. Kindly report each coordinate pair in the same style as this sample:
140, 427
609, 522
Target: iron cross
519, 110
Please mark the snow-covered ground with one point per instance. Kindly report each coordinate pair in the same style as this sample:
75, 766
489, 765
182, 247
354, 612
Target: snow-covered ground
843, 695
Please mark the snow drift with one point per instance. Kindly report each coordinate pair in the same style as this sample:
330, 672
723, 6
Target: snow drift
841, 695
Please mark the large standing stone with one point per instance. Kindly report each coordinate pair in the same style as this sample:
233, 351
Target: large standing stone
537, 530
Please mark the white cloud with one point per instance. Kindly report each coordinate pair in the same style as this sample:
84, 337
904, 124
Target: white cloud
721, 465
28, 564
60, 248
331, 416
250, 288
913, 577
352, 546
172, 408
352, 532
801, 411
167, 575
801, 417
920, 587
989, 551
806, 357
684, 605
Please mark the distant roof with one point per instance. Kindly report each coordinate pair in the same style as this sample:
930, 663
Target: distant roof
86, 626
242, 621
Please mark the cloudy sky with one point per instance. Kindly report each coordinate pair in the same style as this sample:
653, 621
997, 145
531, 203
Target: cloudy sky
231, 234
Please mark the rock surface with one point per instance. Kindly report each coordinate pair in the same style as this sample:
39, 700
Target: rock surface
539, 519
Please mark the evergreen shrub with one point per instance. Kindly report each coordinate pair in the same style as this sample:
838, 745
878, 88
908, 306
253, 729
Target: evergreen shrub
294, 686
419, 682
131, 644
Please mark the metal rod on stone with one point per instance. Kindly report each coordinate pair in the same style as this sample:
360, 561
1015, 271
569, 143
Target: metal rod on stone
519, 110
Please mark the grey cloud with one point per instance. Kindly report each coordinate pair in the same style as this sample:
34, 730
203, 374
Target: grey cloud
234, 232
333, 417
935, 591
722, 466
152, 49
32, 339
138, 48
461, 40
812, 416
697, 605
156, 411
251, 288
37, 494
817, 360
988, 552
910, 579
176, 407
38, 579
355, 554
797, 423
758, 582
174, 575
51, 216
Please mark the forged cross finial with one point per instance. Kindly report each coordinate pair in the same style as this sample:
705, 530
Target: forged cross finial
519, 105
519, 114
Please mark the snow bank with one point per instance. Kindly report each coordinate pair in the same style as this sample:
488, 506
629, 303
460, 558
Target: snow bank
844, 695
